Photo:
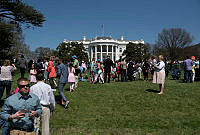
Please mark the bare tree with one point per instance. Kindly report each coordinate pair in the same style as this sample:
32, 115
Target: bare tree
172, 41
42, 52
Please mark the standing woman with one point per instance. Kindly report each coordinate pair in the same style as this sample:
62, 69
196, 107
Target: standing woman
33, 73
71, 77
6, 78
159, 74
99, 73
52, 73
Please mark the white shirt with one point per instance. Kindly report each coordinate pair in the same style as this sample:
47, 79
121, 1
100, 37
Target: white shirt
44, 93
46, 66
160, 66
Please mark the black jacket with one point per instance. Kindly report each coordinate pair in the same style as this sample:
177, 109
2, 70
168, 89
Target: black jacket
107, 65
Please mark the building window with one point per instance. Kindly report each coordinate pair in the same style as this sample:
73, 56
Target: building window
104, 48
114, 48
110, 48
98, 48
120, 49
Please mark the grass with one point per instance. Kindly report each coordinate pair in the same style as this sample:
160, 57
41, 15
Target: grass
129, 108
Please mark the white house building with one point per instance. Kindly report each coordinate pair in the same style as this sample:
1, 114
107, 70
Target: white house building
100, 47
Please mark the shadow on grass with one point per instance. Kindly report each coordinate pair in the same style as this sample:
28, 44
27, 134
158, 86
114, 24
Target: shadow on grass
58, 99
151, 90
67, 89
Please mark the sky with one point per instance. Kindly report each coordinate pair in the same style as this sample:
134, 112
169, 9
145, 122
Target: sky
133, 19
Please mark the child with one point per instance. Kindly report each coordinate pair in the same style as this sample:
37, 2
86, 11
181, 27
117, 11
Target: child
33, 73
139, 72
71, 77
113, 72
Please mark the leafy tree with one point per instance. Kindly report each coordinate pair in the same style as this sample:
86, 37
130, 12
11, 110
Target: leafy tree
10, 35
171, 42
136, 52
67, 50
13, 13
17, 11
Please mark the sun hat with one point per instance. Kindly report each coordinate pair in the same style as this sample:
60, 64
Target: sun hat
74, 56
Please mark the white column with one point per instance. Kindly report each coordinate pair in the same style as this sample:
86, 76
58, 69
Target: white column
95, 53
101, 53
116, 53
106, 49
112, 54
91, 53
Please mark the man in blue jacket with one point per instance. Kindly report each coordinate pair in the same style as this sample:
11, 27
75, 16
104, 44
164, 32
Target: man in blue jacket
62, 74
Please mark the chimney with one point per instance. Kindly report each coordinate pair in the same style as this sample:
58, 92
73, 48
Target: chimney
122, 37
84, 38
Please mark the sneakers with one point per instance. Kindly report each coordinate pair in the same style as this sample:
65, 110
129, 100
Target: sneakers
63, 102
66, 104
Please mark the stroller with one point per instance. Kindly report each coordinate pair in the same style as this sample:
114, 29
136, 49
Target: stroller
176, 73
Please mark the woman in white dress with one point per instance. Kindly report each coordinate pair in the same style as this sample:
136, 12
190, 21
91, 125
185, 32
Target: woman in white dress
159, 74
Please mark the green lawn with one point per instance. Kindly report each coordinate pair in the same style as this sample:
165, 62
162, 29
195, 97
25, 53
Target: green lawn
129, 108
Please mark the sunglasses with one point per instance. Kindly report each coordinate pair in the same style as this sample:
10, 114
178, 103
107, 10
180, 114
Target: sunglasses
23, 86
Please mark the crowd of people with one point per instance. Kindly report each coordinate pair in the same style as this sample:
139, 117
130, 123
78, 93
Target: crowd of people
33, 100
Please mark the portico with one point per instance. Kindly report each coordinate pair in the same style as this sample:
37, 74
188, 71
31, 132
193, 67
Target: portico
100, 47
100, 51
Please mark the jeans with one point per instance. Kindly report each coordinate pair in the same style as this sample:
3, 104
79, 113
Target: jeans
188, 75
5, 127
22, 71
123, 75
5, 84
60, 89
46, 74
105, 77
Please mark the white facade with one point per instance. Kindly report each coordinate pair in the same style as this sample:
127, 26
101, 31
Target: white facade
100, 47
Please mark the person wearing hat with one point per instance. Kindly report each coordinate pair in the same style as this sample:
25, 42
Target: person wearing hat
107, 68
